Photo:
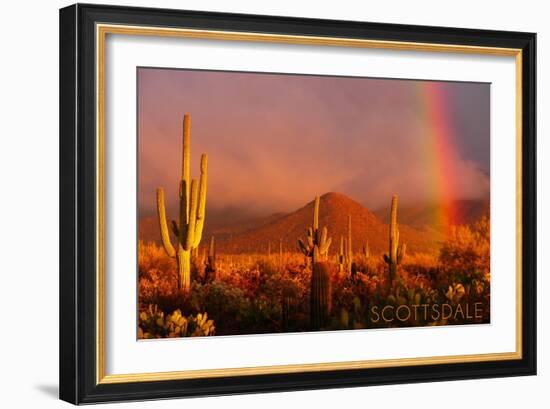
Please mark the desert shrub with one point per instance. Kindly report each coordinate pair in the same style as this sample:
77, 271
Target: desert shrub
254, 293
465, 255
423, 264
369, 266
224, 300
153, 257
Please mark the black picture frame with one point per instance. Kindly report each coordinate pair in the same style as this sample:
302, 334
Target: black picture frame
78, 360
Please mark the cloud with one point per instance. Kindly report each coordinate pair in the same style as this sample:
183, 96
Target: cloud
275, 141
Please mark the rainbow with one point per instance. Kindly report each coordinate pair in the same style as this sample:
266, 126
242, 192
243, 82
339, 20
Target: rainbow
439, 150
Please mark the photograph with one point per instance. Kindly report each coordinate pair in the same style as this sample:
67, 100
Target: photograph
256, 202
283, 203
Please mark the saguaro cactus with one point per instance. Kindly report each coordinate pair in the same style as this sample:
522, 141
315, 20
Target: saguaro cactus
349, 255
210, 269
317, 243
192, 203
366, 256
401, 252
366, 250
321, 295
396, 252
341, 255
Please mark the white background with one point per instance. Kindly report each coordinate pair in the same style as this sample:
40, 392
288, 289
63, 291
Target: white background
29, 205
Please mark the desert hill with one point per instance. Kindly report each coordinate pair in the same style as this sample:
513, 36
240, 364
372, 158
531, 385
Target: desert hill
257, 234
422, 216
333, 213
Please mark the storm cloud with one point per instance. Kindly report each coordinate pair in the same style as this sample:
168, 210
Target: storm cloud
275, 141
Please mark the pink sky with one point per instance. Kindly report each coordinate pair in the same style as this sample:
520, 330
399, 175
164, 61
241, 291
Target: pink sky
275, 141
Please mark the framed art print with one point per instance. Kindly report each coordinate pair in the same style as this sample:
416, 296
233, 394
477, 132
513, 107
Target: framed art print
257, 203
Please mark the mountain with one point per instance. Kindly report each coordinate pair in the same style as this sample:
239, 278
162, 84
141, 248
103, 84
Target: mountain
423, 216
333, 213
256, 234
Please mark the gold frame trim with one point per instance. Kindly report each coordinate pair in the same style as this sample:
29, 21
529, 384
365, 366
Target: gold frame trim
101, 32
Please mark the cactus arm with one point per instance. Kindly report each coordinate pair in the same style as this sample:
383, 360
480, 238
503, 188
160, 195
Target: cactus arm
175, 229
190, 238
186, 158
324, 235
212, 249
341, 257
394, 234
164, 233
316, 214
401, 252
310, 241
303, 248
366, 250
397, 236
202, 201
184, 204
346, 249
324, 248
350, 248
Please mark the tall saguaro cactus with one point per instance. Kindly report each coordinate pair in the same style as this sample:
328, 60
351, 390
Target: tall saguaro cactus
320, 296
396, 252
192, 203
210, 268
318, 243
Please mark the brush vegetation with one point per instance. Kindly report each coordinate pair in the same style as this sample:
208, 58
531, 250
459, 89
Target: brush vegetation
191, 288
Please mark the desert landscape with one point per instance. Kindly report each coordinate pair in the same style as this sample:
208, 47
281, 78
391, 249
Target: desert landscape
272, 224
321, 267
257, 280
